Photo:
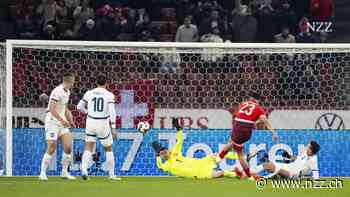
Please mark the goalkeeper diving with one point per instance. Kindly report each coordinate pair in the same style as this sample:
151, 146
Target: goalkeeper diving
173, 162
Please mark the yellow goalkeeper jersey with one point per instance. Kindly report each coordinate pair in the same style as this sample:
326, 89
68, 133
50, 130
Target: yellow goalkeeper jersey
181, 166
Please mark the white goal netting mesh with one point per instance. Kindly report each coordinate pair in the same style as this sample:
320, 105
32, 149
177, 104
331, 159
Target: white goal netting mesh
196, 79
165, 79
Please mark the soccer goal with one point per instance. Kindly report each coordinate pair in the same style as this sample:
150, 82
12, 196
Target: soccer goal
201, 83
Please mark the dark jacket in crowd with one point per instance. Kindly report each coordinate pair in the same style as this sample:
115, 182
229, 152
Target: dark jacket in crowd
88, 34
266, 28
109, 29
244, 28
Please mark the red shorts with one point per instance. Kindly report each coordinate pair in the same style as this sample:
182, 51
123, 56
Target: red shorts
241, 133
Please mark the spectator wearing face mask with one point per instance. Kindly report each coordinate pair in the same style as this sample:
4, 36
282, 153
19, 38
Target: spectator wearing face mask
284, 36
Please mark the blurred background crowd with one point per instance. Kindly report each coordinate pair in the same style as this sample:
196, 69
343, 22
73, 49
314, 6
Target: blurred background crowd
282, 21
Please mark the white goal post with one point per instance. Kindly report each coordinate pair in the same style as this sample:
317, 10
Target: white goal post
146, 47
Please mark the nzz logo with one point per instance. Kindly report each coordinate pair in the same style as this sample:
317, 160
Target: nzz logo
320, 27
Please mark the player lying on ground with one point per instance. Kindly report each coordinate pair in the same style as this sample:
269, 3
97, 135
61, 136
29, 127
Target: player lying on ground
304, 164
173, 162
100, 109
57, 123
247, 115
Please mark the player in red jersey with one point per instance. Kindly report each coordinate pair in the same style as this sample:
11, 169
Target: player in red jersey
247, 115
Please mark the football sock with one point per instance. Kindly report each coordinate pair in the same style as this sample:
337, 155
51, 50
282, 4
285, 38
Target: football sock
247, 171
45, 163
85, 162
110, 163
66, 159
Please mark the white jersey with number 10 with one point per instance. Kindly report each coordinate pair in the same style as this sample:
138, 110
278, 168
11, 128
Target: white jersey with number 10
99, 106
99, 103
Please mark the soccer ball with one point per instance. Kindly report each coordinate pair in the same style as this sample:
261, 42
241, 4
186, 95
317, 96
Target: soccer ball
143, 127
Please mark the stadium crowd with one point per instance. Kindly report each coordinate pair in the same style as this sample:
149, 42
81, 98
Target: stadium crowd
281, 21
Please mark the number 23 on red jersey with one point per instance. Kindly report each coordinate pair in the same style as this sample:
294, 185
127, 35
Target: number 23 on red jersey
249, 111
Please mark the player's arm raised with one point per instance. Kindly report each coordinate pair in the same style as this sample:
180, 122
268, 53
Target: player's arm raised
53, 110
179, 138
266, 122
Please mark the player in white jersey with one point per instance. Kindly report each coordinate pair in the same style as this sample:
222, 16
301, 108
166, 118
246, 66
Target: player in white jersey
57, 123
99, 105
304, 164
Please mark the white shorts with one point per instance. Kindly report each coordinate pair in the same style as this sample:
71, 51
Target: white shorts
294, 171
98, 129
53, 129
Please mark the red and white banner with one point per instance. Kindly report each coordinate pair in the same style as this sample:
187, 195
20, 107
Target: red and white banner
135, 102
310, 119
194, 118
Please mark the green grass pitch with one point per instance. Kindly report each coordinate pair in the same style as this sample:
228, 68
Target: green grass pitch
153, 187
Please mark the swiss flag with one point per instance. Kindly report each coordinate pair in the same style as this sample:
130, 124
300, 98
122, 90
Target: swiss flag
134, 102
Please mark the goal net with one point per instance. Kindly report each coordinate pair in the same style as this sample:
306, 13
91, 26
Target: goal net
305, 88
